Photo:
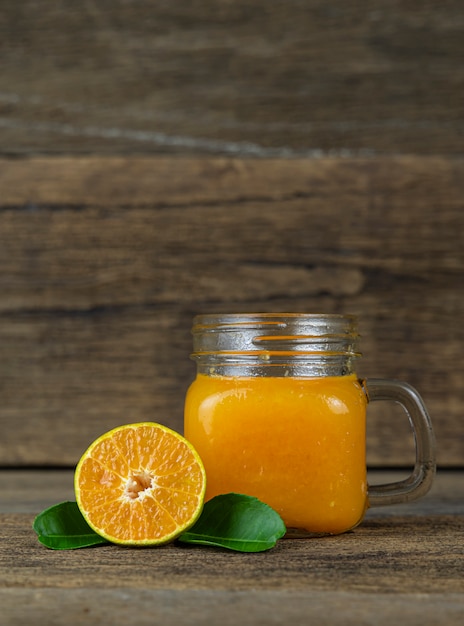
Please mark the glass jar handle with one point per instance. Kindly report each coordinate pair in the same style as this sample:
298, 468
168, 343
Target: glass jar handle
421, 478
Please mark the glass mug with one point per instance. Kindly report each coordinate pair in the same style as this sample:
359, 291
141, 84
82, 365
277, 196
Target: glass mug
277, 411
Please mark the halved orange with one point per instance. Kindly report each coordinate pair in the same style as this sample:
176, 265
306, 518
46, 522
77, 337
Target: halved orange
140, 484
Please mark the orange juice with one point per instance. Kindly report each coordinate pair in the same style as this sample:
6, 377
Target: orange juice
296, 443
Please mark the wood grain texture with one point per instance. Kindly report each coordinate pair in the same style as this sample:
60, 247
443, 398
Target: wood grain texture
145, 607
104, 261
405, 566
398, 555
264, 78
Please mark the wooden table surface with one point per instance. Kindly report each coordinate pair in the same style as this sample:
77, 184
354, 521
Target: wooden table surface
404, 562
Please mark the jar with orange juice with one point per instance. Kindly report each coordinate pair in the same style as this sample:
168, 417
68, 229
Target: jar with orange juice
277, 411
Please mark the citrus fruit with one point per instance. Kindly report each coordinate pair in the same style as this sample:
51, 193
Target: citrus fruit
140, 484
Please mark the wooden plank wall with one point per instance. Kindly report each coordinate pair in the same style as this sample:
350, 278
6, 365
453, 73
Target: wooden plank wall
159, 160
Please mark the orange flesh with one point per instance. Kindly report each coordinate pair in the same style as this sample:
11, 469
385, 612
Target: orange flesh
140, 484
298, 444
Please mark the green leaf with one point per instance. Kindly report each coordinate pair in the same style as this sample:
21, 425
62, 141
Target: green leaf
62, 527
236, 522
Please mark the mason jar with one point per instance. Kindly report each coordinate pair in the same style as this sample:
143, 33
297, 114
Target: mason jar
277, 411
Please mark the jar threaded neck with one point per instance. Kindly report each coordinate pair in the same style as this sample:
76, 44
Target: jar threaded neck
275, 344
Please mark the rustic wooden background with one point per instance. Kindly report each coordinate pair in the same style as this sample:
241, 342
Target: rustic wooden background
162, 159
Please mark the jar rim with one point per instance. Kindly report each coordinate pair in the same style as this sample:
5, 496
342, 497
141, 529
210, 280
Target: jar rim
296, 324
269, 315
